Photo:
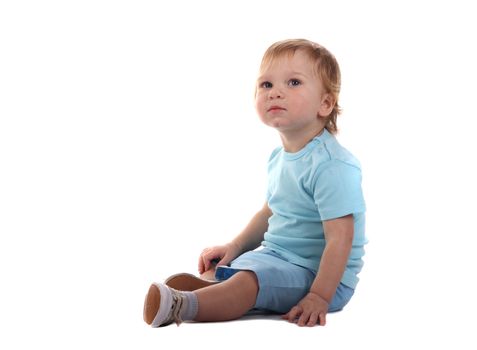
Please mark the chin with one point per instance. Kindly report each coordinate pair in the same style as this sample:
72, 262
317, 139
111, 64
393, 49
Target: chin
278, 123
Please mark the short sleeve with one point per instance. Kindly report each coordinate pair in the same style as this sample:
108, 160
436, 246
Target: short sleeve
337, 190
272, 165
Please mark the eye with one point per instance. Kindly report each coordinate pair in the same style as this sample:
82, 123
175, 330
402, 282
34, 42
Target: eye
294, 82
266, 85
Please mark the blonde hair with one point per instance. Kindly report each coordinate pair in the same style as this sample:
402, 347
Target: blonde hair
325, 67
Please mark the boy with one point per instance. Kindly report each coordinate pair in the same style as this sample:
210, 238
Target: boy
311, 227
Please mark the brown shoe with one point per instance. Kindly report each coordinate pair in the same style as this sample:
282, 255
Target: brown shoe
187, 282
151, 304
163, 305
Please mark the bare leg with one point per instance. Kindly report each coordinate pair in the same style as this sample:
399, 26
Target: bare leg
228, 300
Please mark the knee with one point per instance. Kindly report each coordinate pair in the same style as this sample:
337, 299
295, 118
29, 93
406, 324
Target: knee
248, 278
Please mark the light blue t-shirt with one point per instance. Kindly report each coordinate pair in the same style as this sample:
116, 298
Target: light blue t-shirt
320, 182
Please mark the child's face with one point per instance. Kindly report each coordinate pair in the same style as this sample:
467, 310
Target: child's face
290, 96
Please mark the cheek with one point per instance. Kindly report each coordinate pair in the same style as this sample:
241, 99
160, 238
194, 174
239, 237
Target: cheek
260, 109
259, 104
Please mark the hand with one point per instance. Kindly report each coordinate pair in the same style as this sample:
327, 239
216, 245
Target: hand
309, 311
224, 253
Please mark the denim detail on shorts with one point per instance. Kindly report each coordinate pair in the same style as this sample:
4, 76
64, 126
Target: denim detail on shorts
281, 284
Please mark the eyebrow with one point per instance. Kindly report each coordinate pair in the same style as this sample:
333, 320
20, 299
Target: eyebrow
298, 73
262, 77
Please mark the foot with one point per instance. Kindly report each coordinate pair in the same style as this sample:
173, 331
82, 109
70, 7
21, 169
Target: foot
162, 305
188, 282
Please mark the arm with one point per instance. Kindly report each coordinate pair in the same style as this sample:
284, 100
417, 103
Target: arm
249, 239
339, 239
252, 235
314, 306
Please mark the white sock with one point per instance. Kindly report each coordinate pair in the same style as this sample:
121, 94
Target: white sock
189, 310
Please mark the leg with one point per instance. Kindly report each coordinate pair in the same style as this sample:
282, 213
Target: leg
228, 300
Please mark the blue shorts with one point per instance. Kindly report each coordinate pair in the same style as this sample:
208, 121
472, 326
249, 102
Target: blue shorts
281, 284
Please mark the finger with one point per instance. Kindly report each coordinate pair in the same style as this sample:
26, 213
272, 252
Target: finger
202, 260
201, 263
322, 319
206, 263
313, 319
294, 313
224, 261
303, 320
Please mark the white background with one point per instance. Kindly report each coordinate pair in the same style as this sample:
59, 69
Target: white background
129, 142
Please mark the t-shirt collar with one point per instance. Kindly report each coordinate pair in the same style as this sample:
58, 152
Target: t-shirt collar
323, 137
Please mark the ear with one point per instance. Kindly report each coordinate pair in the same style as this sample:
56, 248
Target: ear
327, 105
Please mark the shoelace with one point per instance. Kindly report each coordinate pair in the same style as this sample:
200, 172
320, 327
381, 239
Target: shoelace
178, 300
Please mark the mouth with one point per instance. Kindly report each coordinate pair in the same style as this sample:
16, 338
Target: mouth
275, 108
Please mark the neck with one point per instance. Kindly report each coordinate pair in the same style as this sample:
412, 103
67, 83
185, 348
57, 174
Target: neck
294, 142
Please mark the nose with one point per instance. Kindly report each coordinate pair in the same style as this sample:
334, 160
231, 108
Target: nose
275, 93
